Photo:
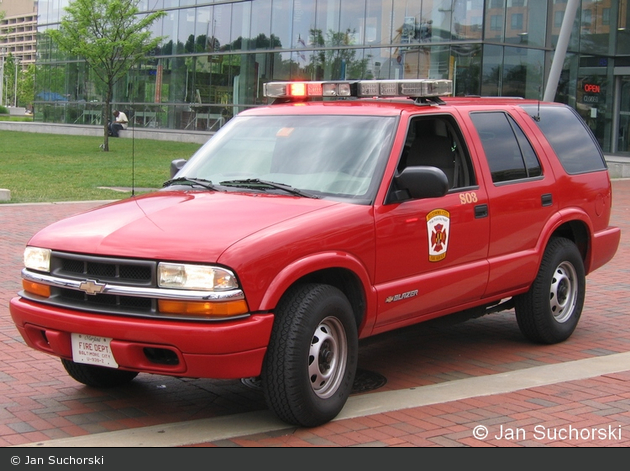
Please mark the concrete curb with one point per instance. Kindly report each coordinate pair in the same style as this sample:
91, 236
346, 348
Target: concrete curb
198, 137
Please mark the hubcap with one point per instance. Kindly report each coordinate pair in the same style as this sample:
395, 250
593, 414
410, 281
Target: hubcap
327, 357
563, 292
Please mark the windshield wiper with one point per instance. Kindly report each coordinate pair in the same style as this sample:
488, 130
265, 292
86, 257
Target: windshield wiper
258, 184
190, 181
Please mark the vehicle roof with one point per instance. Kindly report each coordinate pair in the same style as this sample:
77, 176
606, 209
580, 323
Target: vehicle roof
387, 106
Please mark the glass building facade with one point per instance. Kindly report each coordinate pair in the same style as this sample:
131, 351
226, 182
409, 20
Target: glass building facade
216, 56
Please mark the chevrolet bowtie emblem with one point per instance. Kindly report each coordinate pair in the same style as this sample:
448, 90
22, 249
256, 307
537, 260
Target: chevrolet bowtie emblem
92, 287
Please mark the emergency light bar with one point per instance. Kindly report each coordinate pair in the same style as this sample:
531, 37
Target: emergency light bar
412, 88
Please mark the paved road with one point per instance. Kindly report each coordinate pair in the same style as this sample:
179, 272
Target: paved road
446, 385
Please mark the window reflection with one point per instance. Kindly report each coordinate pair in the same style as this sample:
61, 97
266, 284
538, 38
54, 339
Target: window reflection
623, 28
522, 72
595, 26
241, 13
352, 21
261, 25
218, 54
467, 19
281, 21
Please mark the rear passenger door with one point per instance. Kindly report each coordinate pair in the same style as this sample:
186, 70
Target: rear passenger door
521, 194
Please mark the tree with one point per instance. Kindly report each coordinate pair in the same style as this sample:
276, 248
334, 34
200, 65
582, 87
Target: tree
9, 79
336, 64
26, 87
110, 36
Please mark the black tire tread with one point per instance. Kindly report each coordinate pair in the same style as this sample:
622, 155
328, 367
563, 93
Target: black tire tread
282, 395
531, 308
97, 376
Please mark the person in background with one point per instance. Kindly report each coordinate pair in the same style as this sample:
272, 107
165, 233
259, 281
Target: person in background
120, 122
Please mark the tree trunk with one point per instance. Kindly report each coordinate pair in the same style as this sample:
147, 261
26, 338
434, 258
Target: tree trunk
107, 117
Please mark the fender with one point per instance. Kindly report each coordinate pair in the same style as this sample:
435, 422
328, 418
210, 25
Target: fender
601, 244
321, 261
559, 218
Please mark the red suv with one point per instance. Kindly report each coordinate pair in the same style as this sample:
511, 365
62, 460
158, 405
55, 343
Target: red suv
340, 211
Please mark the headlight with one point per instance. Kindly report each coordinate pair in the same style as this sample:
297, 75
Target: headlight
197, 277
37, 259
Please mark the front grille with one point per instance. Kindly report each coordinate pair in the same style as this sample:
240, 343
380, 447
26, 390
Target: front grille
106, 300
120, 271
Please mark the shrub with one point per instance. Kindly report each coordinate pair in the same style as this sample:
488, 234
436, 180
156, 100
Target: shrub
4, 110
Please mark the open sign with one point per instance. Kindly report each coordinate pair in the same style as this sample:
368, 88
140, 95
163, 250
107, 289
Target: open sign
591, 88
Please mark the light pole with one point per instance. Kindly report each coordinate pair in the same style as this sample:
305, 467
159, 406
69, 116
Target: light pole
17, 61
1, 78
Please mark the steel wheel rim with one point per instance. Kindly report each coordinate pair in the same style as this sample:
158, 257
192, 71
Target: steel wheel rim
327, 357
563, 292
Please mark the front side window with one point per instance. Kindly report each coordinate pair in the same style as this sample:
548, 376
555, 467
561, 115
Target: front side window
509, 154
340, 157
437, 142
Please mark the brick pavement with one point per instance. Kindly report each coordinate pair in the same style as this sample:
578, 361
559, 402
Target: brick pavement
39, 402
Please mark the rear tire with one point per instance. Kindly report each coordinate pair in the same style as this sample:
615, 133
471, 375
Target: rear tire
97, 376
549, 312
312, 356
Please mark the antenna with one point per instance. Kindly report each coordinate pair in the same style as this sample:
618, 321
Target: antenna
133, 154
540, 97
537, 117
132, 117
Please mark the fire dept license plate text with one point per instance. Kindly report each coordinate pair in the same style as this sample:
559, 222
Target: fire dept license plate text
92, 350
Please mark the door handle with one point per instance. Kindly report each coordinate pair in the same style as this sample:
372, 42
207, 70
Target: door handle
481, 211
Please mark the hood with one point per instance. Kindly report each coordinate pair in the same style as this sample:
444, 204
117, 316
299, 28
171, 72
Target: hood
173, 225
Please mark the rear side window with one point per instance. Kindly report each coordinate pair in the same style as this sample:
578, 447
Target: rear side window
571, 139
510, 155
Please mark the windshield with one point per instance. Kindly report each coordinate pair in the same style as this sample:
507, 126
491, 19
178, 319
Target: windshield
326, 156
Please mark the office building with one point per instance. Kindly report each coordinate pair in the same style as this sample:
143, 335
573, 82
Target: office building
217, 55
18, 30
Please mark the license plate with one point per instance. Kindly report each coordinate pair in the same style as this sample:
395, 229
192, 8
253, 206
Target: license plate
92, 350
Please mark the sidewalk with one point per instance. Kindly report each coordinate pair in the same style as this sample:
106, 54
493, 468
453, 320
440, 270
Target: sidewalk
478, 383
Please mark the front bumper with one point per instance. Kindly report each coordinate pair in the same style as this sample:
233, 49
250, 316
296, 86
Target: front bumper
231, 349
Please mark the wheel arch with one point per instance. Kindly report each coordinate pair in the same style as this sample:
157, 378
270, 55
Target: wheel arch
343, 272
347, 282
577, 231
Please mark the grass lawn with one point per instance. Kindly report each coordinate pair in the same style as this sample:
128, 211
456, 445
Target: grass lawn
52, 167
15, 118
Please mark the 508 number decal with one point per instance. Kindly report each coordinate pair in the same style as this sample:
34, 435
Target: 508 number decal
467, 198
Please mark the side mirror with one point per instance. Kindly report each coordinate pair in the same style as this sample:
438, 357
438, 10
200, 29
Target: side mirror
176, 166
419, 182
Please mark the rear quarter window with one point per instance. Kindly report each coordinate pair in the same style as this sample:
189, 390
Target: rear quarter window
569, 136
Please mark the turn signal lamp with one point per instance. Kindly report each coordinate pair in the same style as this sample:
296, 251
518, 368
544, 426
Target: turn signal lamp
203, 308
36, 288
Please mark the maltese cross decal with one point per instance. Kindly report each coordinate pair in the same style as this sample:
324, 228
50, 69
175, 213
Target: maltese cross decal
438, 225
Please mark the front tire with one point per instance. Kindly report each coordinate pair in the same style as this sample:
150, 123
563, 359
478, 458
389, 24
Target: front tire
549, 312
97, 376
312, 356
